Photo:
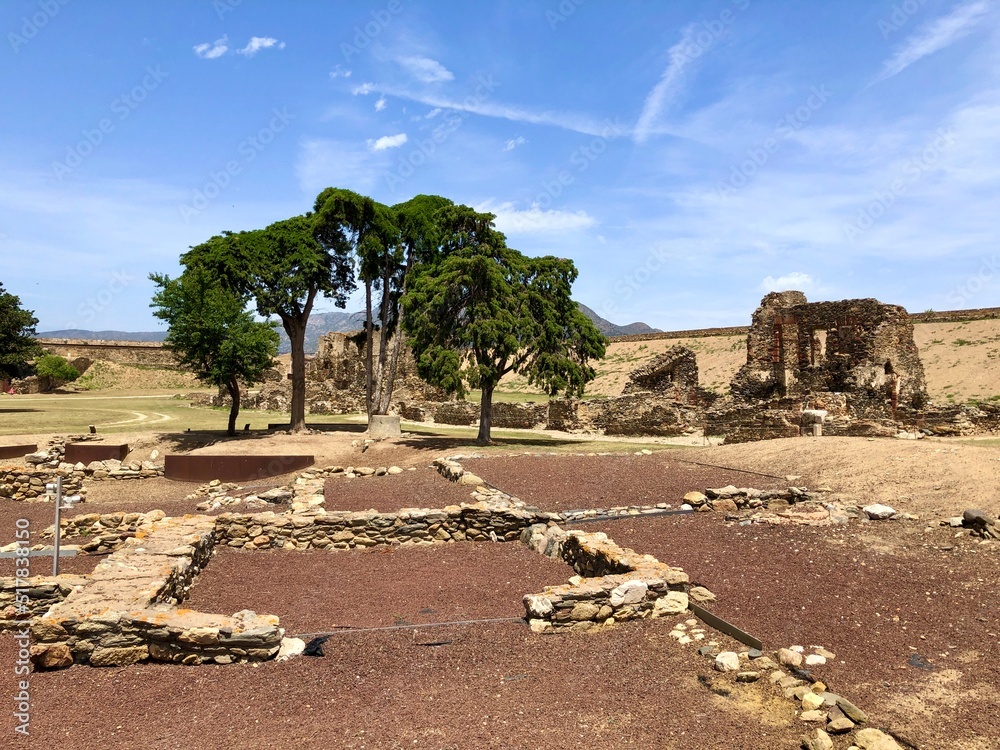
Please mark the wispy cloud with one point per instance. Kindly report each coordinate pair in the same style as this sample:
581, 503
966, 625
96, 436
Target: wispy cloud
514, 143
535, 220
482, 106
212, 50
795, 280
257, 43
339, 72
426, 70
388, 141
659, 96
380, 104
935, 36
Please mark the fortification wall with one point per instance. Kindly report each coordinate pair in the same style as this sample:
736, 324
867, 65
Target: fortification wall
149, 353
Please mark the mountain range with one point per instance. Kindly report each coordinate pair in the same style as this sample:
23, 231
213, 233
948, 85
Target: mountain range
319, 323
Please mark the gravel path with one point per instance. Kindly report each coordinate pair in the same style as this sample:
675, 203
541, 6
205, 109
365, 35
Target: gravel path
874, 594
315, 590
572, 482
421, 488
492, 686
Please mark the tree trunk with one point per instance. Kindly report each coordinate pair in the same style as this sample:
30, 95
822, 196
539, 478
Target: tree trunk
368, 347
486, 414
234, 411
389, 375
296, 331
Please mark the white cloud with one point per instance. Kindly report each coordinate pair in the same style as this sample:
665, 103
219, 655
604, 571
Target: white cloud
935, 36
480, 105
426, 70
388, 141
535, 220
257, 43
514, 143
790, 281
210, 51
380, 104
658, 97
339, 73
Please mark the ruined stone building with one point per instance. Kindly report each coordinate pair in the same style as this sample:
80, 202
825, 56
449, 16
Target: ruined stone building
858, 347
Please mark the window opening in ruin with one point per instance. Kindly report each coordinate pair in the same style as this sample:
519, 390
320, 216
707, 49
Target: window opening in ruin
888, 368
817, 353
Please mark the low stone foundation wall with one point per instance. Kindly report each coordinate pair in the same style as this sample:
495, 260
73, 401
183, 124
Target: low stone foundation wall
456, 412
126, 611
526, 416
479, 521
40, 594
613, 584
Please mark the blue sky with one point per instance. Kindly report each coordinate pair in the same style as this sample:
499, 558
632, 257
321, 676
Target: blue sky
688, 156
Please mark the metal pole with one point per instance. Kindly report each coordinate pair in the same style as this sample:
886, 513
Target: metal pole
55, 550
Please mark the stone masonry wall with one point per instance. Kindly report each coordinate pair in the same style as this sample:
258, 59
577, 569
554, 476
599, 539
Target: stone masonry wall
613, 584
127, 612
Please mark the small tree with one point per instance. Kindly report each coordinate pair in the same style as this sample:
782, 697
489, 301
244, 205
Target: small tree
54, 367
483, 310
212, 332
284, 268
17, 335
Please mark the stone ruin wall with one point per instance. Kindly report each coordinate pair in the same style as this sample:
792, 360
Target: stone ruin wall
146, 353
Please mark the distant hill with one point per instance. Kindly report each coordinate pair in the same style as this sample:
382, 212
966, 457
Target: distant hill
319, 323
611, 329
78, 333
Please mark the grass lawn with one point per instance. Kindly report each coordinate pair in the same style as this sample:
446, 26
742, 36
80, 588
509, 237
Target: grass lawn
116, 413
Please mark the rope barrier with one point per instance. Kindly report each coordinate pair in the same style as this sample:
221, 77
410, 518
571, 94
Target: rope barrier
351, 629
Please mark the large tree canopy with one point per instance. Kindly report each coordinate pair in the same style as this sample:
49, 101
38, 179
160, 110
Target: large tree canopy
482, 310
212, 333
284, 267
17, 335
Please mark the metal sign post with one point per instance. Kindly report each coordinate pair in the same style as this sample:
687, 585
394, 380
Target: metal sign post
57, 488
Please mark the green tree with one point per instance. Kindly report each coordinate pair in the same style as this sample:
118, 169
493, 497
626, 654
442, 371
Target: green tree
371, 229
17, 335
54, 367
482, 310
212, 333
284, 267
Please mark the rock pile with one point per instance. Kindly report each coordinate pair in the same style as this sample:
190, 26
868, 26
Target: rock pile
106, 531
612, 584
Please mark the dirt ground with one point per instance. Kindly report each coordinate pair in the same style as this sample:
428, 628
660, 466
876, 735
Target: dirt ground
874, 593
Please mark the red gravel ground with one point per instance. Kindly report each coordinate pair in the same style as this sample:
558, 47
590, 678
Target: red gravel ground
574, 482
422, 488
875, 594
315, 591
492, 686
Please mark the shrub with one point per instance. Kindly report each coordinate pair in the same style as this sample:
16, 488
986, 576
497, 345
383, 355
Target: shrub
57, 368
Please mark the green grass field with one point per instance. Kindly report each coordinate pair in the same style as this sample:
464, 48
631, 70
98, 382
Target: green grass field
118, 413
131, 412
